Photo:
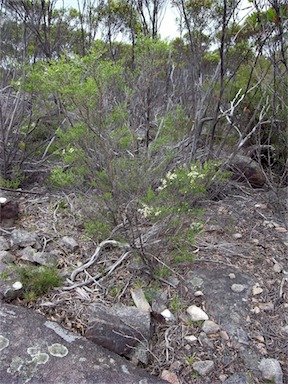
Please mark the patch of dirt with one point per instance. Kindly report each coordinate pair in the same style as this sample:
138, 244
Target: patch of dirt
243, 242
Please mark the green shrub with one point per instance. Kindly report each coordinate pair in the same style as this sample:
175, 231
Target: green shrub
38, 281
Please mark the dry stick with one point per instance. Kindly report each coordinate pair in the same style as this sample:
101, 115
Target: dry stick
96, 255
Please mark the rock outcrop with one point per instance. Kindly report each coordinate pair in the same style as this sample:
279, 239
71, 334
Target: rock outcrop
34, 350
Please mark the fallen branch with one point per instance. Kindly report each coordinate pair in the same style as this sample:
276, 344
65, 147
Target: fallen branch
96, 254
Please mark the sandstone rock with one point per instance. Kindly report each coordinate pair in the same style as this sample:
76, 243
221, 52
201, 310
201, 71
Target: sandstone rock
196, 313
118, 328
256, 289
190, 338
170, 377
6, 257
4, 244
210, 326
246, 170
168, 315
23, 238
271, 370
232, 276
238, 288
45, 258
277, 268
224, 335
203, 367
70, 243
159, 302
173, 281
9, 212
238, 378
38, 351
204, 340
140, 300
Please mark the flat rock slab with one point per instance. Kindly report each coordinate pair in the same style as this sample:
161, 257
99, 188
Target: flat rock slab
35, 351
118, 328
227, 307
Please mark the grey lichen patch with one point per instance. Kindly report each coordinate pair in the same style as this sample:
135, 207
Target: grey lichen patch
3, 342
33, 351
41, 358
58, 350
15, 365
38, 357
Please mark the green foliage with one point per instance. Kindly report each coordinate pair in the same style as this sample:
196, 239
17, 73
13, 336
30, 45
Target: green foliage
162, 272
176, 304
98, 229
38, 281
182, 188
177, 198
11, 183
151, 292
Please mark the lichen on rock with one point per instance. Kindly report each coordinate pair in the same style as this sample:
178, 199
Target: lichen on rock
58, 350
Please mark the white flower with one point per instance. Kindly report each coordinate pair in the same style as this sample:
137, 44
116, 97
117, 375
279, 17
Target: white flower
171, 176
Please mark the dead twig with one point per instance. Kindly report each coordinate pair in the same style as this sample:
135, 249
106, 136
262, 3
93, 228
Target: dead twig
96, 254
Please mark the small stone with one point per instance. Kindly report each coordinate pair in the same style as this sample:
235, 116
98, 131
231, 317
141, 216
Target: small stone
232, 276
173, 281
23, 238
222, 378
203, 367
198, 293
17, 285
170, 377
4, 245
204, 340
190, 338
259, 338
196, 313
255, 310
140, 300
224, 335
271, 370
255, 241
45, 258
266, 307
242, 337
168, 315
159, 302
238, 288
71, 243
209, 327
187, 347
277, 268
6, 257
256, 290
237, 236
261, 206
